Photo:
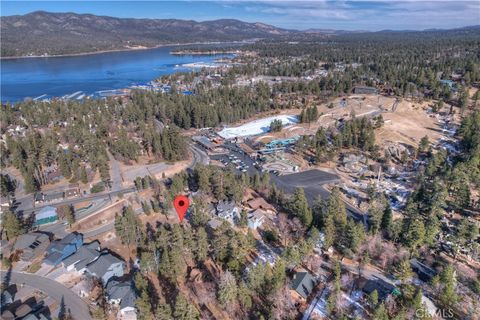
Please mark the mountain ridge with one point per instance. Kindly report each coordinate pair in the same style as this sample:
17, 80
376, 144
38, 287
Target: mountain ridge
45, 33
42, 33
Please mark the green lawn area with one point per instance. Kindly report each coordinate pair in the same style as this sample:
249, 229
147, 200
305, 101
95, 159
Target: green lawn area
34, 267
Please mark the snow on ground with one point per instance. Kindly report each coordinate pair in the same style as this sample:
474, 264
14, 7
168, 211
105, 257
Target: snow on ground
256, 127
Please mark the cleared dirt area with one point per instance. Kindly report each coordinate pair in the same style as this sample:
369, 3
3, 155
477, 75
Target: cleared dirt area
130, 172
409, 123
404, 120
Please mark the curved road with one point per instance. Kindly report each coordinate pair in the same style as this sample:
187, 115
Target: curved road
198, 155
78, 307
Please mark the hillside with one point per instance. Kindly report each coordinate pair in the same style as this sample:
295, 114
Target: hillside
44, 33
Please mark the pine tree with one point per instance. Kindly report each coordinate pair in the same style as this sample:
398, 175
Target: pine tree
386, 223
146, 208
201, 251
243, 219
244, 296
228, 290
12, 225
448, 296
404, 271
299, 207
336, 208
183, 310
163, 312
70, 215
380, 313
373, 298
83, 175
329, 231
31, 183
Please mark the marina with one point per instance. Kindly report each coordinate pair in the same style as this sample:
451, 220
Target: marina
99, 75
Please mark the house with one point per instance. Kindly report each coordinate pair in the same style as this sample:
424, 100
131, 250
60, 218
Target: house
204, 142
122, 293
365, 90
256, 219
383, 288
46, 215
48, 197
5, 204
7, 315
303, 284
424, 272
32, 245
53, 176
35, 316
53, 196
85, 254
449, 83
106, 267
60, 249
260, 203
8, 295
227, 210
38, 197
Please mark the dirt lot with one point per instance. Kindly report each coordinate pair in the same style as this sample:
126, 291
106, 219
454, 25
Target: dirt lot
130, 172
408, 124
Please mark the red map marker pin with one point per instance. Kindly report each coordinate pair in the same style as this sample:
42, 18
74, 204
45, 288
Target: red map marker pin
181, 204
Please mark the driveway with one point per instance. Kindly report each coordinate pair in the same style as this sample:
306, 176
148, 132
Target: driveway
78, 308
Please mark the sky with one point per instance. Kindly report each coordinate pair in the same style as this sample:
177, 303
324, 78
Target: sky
321, 14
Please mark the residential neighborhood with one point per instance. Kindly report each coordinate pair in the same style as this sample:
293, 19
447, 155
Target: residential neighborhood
298, 160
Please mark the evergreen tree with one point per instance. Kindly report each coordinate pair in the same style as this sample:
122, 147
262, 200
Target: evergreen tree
299, 207
163, 312
243, 219
201, 251
83, 175
12, 225
448, 296
184, 310
386, 223
128, 227
228, 290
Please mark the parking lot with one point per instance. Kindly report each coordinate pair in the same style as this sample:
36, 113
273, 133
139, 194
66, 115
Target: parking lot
312, 181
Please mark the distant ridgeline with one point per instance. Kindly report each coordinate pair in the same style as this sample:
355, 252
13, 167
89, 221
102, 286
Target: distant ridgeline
43, 33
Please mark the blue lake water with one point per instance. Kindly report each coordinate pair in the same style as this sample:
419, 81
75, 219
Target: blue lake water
59, 76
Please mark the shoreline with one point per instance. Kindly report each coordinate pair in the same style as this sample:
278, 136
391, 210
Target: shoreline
193, 53
118, 50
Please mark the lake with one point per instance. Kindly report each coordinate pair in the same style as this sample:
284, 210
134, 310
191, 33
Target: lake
59, 76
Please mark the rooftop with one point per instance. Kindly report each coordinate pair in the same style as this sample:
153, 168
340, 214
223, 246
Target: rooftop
86, 254
100, 266
303, 283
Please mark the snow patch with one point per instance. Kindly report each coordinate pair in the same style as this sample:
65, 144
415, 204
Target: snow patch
256, 127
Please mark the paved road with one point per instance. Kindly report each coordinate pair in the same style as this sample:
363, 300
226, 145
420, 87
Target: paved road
78, 307
93, 233
95, 196
312, 181
198, 156
117, 178
106, 227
